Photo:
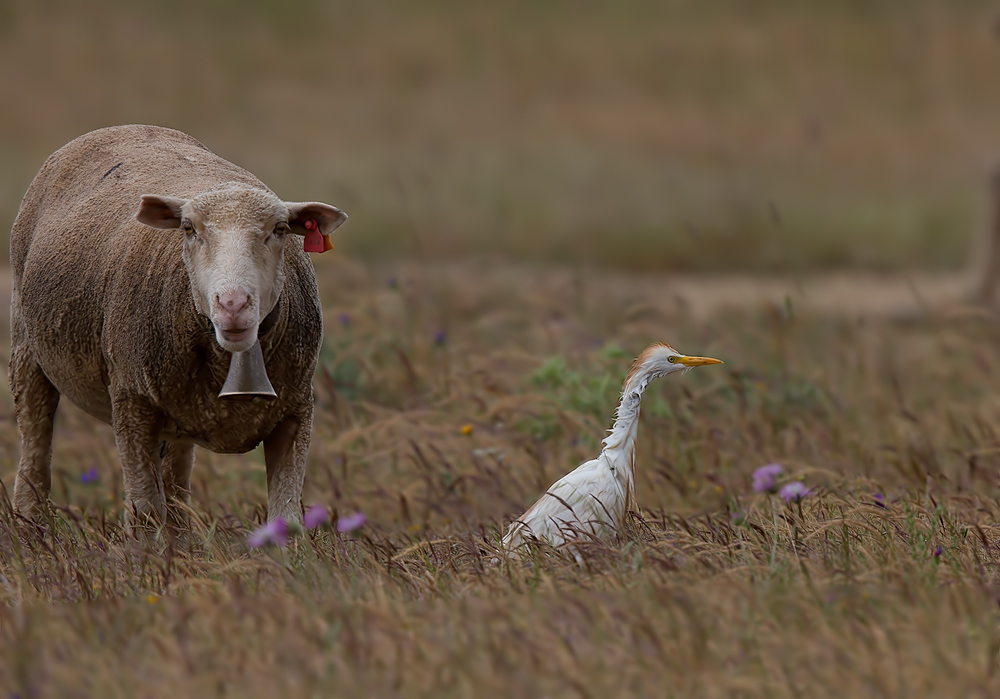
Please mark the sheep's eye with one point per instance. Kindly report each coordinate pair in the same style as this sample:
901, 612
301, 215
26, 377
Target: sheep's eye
188, 228
281, 229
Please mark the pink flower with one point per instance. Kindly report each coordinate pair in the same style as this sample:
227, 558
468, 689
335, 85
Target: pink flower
351, 522
793, 492
765, 478
316, 516
274, 532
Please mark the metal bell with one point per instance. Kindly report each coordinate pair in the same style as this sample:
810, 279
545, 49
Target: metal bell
247, 377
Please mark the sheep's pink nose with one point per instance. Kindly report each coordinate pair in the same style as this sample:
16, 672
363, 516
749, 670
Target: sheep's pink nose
233, 302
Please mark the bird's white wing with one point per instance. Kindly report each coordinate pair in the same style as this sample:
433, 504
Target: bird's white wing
587, 499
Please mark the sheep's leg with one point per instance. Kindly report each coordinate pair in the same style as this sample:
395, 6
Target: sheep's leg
285, 457
178, 460
35, 403
137, 426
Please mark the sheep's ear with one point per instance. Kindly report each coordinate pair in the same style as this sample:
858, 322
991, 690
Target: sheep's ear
328, 217
160, 212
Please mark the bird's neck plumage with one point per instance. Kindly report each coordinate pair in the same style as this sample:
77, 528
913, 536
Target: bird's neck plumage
619, 445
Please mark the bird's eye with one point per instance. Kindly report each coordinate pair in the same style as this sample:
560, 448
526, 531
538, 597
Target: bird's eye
672, 359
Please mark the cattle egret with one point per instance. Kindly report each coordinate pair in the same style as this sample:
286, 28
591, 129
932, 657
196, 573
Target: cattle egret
594, 499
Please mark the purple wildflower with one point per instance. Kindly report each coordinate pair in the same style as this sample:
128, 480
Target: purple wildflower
316, 516
765, 478
350, 522
879, 500
274, 532
937, 552
439, 337
793, 492
89, 476
344, 319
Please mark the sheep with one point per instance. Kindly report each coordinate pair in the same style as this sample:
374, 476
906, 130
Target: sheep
140, 261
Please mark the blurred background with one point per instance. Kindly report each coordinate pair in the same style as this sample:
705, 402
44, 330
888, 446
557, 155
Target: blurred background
756, 135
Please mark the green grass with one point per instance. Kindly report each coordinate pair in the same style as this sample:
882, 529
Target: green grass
720, 591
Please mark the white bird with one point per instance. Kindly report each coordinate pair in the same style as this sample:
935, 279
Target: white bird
594, 499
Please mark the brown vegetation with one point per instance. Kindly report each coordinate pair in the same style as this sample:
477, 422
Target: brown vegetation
722, 593
455, 385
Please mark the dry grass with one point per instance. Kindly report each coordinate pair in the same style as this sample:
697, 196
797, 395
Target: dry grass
722, 592
751, 135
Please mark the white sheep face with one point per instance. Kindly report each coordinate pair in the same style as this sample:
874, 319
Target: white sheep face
234, 240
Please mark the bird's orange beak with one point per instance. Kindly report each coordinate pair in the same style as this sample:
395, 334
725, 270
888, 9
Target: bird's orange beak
697, 361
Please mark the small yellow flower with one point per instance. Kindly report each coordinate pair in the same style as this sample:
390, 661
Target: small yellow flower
151, 599
466, 430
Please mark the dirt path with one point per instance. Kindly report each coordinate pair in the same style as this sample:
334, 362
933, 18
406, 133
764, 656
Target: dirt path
846, 293
701, 295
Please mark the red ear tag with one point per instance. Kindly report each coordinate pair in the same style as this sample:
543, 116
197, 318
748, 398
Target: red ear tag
314, 240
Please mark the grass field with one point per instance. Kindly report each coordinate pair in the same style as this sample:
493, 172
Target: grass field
538, 190
723, 592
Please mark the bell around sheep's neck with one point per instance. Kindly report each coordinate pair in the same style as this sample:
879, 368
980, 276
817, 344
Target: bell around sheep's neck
247, 376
